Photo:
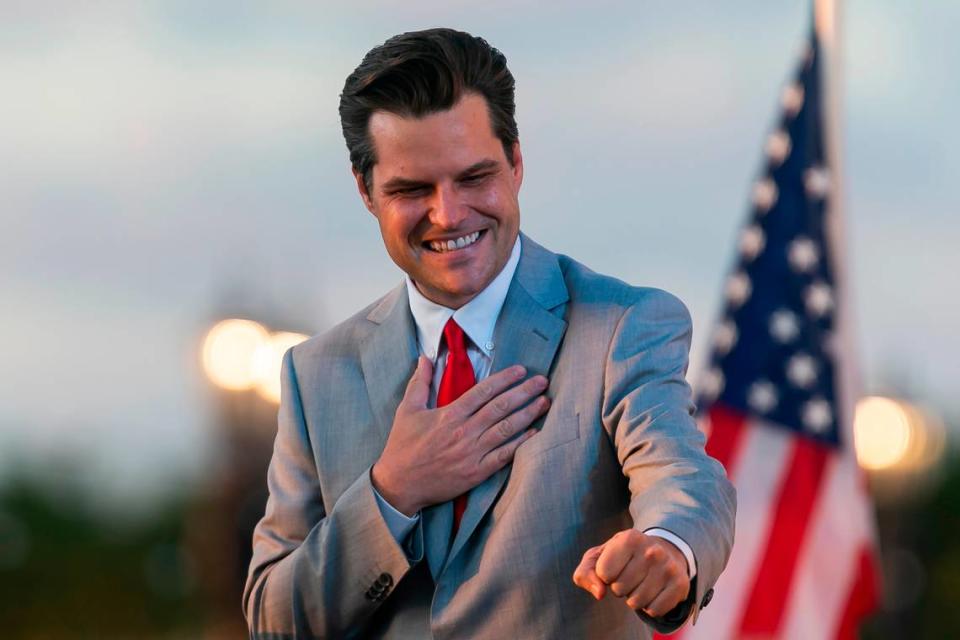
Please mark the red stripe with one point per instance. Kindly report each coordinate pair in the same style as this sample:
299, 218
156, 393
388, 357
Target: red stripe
797, 496
864, 595
726, 433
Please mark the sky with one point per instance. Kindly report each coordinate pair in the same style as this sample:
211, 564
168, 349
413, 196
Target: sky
170, 163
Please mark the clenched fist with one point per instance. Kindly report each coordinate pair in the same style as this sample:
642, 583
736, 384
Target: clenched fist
649, 572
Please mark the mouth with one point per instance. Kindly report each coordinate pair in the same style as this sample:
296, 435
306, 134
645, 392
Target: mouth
454, 244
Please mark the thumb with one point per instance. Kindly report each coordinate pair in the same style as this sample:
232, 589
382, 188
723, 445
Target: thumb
585, 576
418, 389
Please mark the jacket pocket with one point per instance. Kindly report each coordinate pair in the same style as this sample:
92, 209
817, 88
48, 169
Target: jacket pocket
554, 431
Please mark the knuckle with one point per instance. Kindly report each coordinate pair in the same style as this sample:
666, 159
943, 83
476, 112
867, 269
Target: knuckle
473, 476
504, 428
446, 419
604, 574
501, 405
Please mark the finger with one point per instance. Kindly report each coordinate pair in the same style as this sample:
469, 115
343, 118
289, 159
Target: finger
509, 401
503, 430
585, 575
668, 598
644, 593
498, 458
418, 388
485, 390
616, 554
631, 577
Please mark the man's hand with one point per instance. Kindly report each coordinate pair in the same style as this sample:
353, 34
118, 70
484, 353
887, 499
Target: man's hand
650, 572
434, 455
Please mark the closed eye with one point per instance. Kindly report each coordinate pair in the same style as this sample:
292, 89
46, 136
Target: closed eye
475, 178
408, 191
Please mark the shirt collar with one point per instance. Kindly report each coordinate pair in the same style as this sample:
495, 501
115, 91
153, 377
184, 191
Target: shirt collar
477, 318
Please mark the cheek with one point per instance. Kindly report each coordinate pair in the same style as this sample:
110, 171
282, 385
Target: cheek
496, 201
399, 222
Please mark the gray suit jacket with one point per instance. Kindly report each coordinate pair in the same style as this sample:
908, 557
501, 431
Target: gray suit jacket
617, 449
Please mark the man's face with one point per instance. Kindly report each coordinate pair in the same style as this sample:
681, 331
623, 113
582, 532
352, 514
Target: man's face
441, 178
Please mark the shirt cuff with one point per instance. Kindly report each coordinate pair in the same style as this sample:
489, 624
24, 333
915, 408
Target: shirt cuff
399, 524
677, 541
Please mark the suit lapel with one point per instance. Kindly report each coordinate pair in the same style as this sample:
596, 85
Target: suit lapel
388, 357
528, 332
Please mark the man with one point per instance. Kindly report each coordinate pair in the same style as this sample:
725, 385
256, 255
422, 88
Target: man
535, 472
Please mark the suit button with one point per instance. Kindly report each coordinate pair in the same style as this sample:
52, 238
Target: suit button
707, 597
385, 580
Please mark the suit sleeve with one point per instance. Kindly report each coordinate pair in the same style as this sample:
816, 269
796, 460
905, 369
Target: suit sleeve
648, 413
316, 573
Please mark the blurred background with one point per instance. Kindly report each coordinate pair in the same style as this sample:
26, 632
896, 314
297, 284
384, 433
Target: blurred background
171, 165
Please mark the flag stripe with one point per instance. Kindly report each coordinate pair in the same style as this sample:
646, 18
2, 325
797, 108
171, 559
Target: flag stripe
763, 462
726, 432
797, 496
864, 594
726, 435
828, 561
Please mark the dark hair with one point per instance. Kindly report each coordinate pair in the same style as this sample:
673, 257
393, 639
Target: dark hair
421, 72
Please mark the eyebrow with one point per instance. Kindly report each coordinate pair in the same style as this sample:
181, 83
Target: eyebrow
406, 183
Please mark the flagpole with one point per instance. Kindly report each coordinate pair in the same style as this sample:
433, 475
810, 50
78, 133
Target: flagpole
827, 26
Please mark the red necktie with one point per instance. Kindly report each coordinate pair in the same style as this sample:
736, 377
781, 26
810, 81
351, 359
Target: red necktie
457, 378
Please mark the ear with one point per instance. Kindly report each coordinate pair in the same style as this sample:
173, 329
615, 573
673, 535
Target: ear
364, 194
517, 166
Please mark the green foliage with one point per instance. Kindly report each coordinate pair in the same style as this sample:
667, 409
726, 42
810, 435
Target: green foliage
66, 572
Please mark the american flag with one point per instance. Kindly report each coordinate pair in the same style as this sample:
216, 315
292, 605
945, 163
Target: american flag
776, 401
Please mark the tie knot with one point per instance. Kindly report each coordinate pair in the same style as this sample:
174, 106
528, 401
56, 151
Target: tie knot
456, 340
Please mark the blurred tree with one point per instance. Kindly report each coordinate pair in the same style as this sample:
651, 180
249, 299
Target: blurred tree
68, 573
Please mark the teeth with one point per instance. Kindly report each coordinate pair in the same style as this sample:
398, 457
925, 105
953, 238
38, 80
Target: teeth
459, 243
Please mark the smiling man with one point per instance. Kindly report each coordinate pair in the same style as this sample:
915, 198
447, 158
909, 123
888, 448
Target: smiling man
502, 446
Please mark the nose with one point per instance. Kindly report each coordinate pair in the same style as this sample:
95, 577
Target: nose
446, 209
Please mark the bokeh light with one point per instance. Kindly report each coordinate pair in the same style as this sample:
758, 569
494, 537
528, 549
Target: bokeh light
267, 360
895, 435
882, 433
229, 350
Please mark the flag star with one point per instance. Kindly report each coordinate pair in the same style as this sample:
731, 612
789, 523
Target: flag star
784, 325
802, 370
711, 385
792, 99
738, 288
752, 241
818, 299
817, 415
762, 396
765, 194
778, 147
725, 336
816, 182
803, 254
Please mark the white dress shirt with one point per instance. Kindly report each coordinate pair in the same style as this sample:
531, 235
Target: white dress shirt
477, 318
